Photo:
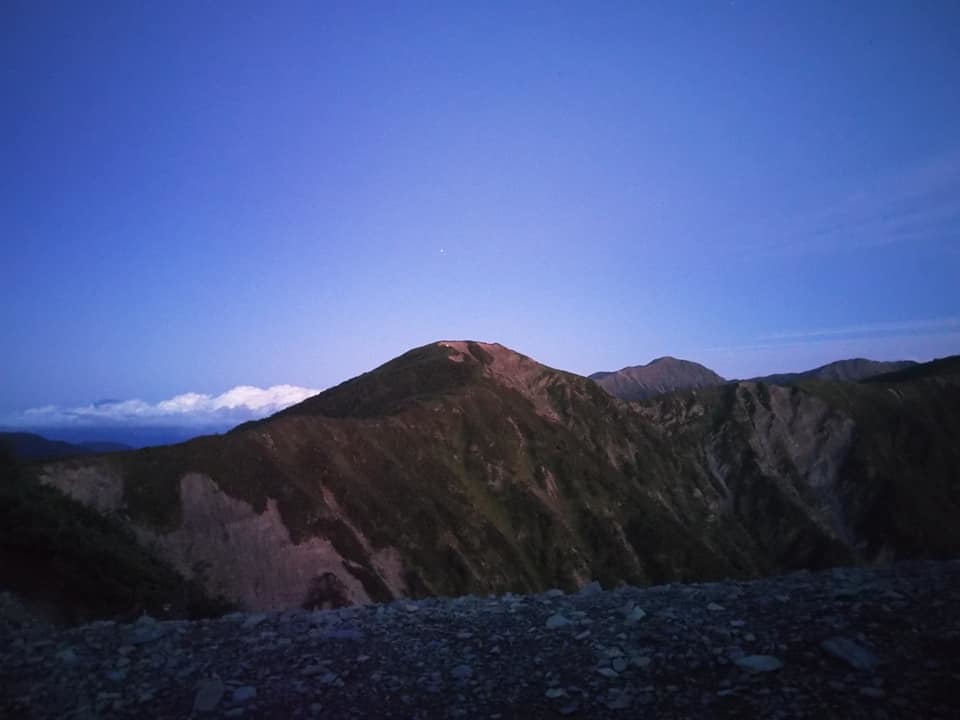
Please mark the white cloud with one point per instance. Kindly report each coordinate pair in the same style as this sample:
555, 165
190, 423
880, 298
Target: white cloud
239, 404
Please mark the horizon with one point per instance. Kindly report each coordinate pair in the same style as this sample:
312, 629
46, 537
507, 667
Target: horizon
188, 415
200, 201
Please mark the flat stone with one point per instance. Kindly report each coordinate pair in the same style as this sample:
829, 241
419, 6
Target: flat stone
67, 656
462, 672
759, 663
714, 607
146, 633
243, 694
253, 620
852, 653
556, 621
209, 694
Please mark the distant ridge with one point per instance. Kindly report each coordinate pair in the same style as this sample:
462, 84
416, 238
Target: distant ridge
30, 446
852, 370
660, 376
941, 367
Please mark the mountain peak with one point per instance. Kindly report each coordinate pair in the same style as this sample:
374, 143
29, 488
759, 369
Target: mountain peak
661, 375
434, 370
667, 359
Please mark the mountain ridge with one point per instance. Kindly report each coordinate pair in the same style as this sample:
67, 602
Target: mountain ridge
463, 467
847, 370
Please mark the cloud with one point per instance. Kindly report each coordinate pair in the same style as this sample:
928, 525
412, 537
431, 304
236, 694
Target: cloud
917, 204
237, 405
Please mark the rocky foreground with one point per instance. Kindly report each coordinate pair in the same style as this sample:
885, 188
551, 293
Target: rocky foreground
850, 643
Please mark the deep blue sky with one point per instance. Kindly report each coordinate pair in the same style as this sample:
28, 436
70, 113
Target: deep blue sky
195, 196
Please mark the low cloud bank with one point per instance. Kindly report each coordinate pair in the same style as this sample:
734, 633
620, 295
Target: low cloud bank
237, 405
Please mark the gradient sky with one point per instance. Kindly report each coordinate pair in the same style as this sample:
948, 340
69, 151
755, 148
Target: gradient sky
202, 195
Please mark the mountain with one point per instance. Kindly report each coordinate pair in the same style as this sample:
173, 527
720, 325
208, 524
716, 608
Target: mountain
36, 447
853, 370
658, 377
463, 467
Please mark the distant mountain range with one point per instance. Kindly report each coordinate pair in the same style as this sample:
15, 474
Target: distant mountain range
667, 374
464, 467
120, 434
841, 371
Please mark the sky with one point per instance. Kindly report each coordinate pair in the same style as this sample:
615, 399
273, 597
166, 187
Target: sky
265, 199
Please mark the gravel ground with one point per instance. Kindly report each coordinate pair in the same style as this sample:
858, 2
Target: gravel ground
847, 643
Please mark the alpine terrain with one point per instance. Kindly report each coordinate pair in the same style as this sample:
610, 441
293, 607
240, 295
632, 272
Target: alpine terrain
464, 467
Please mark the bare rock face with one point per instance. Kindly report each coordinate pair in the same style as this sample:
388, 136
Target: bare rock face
776, 455
235, 551
465, 467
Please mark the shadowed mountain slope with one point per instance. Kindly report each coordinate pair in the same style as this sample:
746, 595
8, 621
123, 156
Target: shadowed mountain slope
658, 377
464, 467
71, 564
